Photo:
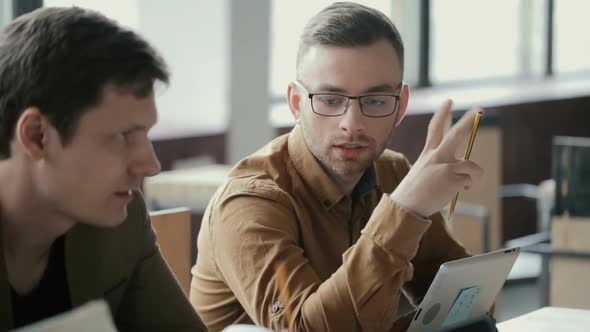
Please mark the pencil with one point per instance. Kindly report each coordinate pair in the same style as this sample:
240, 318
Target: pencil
467, 154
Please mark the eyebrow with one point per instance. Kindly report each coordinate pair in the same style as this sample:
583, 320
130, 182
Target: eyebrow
373, 89
137, 127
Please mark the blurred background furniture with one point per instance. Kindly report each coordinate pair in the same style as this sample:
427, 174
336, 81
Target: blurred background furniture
564, 245
189, 186
470, 225
172, 227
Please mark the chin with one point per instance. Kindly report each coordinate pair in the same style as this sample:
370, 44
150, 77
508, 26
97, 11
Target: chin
347, 173
350, 168
109, 221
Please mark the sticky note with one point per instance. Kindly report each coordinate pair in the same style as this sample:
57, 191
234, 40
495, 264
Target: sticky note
461, 308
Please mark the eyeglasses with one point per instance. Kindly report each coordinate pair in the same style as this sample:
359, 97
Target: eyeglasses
332, 104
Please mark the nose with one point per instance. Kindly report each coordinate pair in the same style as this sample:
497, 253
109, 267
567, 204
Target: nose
353, 120
146, 164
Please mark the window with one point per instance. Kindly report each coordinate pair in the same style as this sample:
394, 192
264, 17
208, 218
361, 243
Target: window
571, 43
124, 12
473, 39
5, 12
192, 38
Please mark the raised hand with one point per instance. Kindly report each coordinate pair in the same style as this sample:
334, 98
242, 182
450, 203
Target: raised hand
438, 175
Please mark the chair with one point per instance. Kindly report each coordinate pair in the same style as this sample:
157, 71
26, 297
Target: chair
192, 187
173, 229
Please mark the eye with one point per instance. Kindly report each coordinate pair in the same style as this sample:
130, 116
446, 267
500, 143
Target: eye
374, 101
331, 100
125, 135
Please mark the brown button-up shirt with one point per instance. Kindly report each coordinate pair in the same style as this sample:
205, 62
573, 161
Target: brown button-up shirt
346, 258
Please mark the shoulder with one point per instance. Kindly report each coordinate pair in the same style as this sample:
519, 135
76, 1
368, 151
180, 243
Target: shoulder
396, 161
258, 185
266, 174
250, 198
390, 168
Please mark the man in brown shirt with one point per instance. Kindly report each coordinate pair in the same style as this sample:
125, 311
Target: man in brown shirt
323, 229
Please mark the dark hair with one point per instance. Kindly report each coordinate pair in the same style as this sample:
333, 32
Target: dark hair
349, 24
60, 59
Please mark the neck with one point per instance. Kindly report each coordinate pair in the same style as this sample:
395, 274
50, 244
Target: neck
348, 186
29, 225
346, 183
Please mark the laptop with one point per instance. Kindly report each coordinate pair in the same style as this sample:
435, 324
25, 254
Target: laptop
463, 289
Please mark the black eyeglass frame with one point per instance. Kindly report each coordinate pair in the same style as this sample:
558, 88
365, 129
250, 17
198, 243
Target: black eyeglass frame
311, 95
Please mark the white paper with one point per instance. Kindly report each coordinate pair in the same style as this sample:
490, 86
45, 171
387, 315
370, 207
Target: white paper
94, 316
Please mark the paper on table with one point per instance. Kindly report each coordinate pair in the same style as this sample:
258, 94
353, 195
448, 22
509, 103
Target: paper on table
94, 316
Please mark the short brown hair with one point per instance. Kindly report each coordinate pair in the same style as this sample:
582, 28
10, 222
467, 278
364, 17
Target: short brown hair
60, 59
349, 24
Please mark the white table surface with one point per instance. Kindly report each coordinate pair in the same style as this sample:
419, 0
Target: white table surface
549, 319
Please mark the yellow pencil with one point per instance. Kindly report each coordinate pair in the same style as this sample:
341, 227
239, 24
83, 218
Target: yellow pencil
467, 154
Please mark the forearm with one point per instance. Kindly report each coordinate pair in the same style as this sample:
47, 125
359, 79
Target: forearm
378, 265
437, 247
363, 294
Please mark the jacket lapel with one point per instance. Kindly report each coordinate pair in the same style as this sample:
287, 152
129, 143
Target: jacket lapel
84, 264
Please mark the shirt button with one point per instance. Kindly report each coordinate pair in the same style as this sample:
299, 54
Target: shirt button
275, 308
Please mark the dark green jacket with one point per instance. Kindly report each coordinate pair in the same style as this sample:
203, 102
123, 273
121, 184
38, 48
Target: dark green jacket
124, 266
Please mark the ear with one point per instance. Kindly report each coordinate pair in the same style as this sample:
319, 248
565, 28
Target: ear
294, 100
404, 98
32, 133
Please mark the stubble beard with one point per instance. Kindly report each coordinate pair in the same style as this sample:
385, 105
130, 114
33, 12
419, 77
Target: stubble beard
346, 170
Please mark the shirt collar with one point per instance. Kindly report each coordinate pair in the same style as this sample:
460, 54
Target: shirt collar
368, 181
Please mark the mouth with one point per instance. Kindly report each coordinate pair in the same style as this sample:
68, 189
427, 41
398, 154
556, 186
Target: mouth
351, 146
351, 150
126, 195
124, 192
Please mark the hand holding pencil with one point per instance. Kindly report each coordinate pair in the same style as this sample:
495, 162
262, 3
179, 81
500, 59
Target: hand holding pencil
467, 155
437, 176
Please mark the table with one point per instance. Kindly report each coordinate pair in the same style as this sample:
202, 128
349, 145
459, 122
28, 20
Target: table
549, 319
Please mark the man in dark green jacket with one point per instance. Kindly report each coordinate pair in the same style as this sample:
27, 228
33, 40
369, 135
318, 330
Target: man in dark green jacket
76, 104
